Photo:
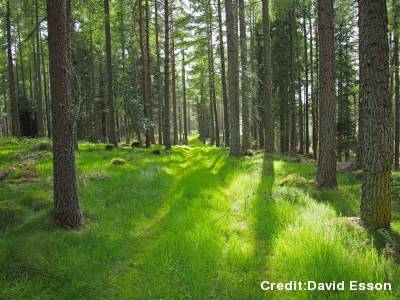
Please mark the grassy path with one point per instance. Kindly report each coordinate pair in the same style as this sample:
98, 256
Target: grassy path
227, 225
191, 224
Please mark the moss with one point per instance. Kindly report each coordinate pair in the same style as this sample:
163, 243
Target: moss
27, 172
10, 214
118, 161
109, 147
295, 180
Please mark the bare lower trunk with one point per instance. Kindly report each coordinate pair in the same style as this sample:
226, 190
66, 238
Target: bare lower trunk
269, 122
66, 205
15, 126
233, 79
223, 76
245, 81
110, 94
376, 190
326, 174
167, 137
185, 120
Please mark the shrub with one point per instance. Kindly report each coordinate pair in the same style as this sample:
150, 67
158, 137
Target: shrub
156, 152
10, 214
136, 145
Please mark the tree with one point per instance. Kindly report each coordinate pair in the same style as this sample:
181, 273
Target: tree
269, 123
66, 205
223, 75
233, 79
173, 87
214, 126
15, 126
39, 103
396, 16
326, 173
145, 68
158, 74
245, 81
185, 120
306, 93
376, 190
167, 134
110, 95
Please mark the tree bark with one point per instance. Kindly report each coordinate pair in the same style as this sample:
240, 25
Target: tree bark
110, 94
15, 126
46, 94
396, 8
245, 80
376, 190
292, 88
269, 122
148, 62
158, 73
66, 205
214, 126
233, 79
39, 101
144, 61
326, 174
185, 119
173, 87
167, 137
306, 105
314, 99
223, 76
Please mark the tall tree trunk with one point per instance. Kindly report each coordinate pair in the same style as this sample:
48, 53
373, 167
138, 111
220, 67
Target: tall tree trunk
92, 93
144, 60
396, 8
110, 94
158, 74
233, 79
306, 105
253, 82
326, 174
292, 88
245, 81
167, 136
313, 98
185, 119
46, 94
214, 137
15, 126
39, 101
66, 205
301, 115
148, 62
21, 63
376, 190
269, 122
223, 76
173, 87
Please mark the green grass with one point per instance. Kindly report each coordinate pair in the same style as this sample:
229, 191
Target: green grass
190, 224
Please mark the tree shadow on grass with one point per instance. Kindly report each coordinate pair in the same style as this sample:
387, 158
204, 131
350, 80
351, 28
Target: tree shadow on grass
183, 256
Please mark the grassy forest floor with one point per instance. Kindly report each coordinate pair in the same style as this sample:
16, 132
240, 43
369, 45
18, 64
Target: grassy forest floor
190, 224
